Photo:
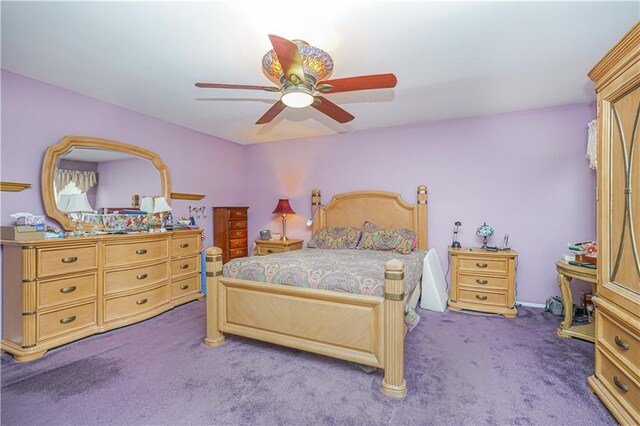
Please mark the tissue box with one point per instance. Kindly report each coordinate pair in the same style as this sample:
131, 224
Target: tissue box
30, 220
21, 233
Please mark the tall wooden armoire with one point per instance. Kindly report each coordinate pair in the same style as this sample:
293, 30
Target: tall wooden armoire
617, 358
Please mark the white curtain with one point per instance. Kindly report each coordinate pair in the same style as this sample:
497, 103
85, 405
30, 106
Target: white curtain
83, 180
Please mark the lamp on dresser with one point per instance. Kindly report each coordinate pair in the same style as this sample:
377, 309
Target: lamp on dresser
283, 208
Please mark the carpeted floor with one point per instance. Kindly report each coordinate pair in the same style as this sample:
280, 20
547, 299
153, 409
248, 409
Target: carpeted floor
461, 369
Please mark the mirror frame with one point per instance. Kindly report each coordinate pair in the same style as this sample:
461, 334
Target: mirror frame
55, 151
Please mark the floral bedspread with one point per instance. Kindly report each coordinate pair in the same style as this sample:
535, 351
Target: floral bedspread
340, 270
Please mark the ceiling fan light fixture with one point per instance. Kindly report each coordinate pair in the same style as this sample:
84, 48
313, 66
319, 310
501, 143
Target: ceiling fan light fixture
315, 62
297, 97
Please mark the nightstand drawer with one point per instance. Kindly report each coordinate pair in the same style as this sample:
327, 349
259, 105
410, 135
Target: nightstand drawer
238, 233
619, 341
237, 224
484, 265
264, 250
238, 243
65, 320
483, 282
66, 290
482, 297
58, 261
239, 252
621, 385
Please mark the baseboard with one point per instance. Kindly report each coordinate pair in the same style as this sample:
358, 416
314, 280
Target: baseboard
532, 305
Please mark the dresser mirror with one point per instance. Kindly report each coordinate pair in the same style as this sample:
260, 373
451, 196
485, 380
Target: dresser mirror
91, 174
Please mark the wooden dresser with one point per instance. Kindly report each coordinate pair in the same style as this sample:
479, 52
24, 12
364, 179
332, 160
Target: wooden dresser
61, 290
617, 316
230, 231
483, 281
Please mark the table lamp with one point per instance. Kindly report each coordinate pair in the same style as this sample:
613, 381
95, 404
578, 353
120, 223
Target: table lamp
283, 208
160, 206
484, 231
77, 204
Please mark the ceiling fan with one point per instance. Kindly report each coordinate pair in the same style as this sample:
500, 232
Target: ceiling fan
300, 71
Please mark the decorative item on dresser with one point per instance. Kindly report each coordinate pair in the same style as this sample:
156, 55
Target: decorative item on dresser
265, 247
617, 315
483, 281
230, 231
60, 290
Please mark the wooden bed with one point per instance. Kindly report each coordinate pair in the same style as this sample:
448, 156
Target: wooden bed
364, 329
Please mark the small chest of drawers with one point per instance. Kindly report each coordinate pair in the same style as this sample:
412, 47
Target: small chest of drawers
483, 281
265, 247
230, 231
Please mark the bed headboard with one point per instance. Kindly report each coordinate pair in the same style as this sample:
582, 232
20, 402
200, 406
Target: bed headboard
385, 209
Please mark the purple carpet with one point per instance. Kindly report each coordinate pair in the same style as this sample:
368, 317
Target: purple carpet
461, 369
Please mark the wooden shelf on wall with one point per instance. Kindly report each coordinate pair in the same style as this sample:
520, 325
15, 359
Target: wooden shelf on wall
184, 196
13, 186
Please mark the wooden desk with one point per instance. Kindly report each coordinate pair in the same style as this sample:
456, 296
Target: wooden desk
566, 273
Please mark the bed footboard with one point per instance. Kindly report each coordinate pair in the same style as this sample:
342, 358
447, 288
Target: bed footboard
364, 329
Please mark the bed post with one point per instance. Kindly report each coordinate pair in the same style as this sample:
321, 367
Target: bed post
214, 270
393, 383
316, 202
422, 217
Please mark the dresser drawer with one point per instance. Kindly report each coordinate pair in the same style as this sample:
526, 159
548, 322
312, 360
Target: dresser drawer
482, 297
184, 246
238, 243
483, 282
132, 278
184, 266
618, 340
483, 265
136, 252
120, 307
621, 385
264, 250
186, 286
66, 290
239, 252
56, 261
63, 321
238, 233
237, 224
237, 213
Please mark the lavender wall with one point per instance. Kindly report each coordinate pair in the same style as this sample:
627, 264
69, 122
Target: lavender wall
36, 115
523, 173
115, 186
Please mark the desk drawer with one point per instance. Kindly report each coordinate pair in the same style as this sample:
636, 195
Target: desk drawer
482, 297
63, 321
237, 224
620, 384
133, 304
618, 340
56, 261
185, 245
136, 252
184, 266
133, 278
66, 290
483, 265
480, 282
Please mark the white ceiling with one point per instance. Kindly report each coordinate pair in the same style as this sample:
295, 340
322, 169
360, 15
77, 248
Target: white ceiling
452, 59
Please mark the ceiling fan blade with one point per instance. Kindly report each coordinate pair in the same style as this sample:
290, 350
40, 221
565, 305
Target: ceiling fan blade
276, 109
237, 86
289, 58
364, 82
332, 110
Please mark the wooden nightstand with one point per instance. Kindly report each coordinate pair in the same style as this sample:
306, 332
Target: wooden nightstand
264, 247
483, 281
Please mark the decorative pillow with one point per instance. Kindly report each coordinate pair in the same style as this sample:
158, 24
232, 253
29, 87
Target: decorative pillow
335, 238
375, 238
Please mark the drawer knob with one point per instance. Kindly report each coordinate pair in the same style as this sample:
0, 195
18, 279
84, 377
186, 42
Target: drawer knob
270, 251
624, 345
481, 265
68, 289
184, 245
67, 320
481, 281
184, 286
141, 251
141, 276
621, 385
481, 297
185, 266
70, 259
141, 301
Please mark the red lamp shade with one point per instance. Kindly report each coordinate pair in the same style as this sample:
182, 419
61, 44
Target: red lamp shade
283, 207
